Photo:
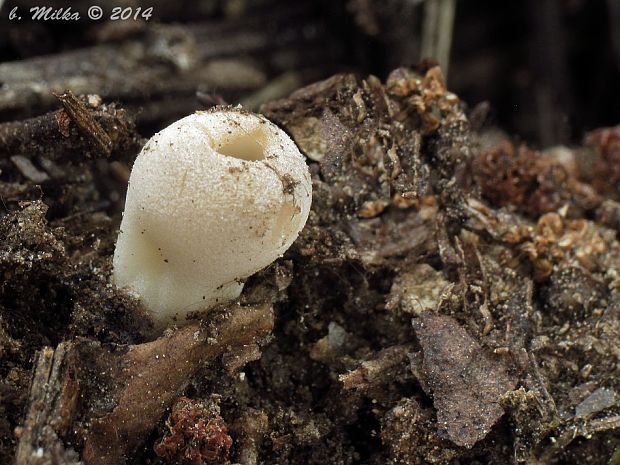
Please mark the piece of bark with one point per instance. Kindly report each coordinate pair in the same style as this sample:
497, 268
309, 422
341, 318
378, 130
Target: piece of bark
53, 401
367, 140
466, 382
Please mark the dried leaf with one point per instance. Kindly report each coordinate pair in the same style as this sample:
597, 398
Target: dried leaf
466, 382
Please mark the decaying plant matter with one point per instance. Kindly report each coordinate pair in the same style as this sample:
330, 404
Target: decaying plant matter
198, 435
447, 301
129, 390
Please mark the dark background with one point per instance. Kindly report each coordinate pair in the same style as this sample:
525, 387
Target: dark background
549, 69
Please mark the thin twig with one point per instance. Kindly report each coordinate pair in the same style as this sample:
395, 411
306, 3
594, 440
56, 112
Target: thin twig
437, 31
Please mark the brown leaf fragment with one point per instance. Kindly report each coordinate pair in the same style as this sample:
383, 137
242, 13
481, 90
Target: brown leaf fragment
381, 239
466, 382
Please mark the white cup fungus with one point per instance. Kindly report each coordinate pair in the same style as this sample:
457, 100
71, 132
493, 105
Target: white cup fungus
212, 199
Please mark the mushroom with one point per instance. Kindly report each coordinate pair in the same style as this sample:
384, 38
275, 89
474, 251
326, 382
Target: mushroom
212, 199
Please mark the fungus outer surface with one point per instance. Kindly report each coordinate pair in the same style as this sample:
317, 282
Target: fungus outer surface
212, 199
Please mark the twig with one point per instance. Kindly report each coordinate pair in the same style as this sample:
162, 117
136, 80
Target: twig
550, 402
53, 401
573, 432
437, 32
55, 135
376, 370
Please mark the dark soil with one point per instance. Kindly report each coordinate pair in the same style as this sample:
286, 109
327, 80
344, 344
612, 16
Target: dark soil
453, 298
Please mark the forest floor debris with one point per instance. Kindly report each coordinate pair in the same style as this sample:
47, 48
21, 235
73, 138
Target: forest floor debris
445, 302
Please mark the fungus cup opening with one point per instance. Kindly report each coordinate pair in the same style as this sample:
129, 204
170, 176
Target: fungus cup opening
249, 146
